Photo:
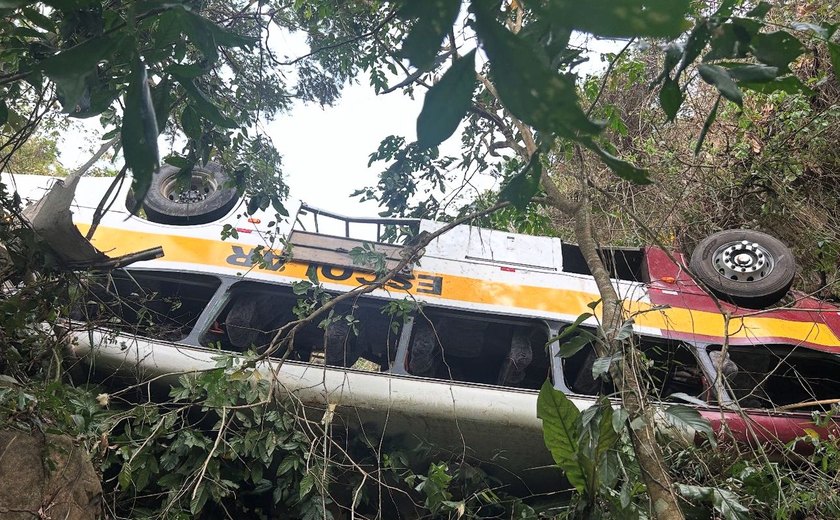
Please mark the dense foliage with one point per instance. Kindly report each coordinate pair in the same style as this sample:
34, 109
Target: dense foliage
730, 80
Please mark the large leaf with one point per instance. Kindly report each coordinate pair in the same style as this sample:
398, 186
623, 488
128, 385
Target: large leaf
203, 106
162, 100
573, 346
750, 73
725, 502
602, 365
446, 103
568, 330
706, 126
522, 187
731, 40
777, 49
208, 36
72, 68
624, 18
559, 416
434, 20
834, 52
528, 88
620, 167
688, 419
719, 77
670, 97
139, 133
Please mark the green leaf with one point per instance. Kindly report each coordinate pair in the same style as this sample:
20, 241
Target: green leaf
13, 4
759, 11
162, 101
672, 57
522, 187
139, 133
694, 45
71, 69
69, 5
208, 36
204, 106
195, 23
682, 396
725, 502
446, 103
573, 346
834, 51
620, 167
567, 331
178, 162
686, 418
190, 123
306, 484
750, 73
528, 88
124, 478
602, 365
619, 419
706, 126
4, 112
39, 19
719, 77
626, 330
731, 40
199, 499
607, 434
434, 20
777, 49
624, 18
671, 98
559, 416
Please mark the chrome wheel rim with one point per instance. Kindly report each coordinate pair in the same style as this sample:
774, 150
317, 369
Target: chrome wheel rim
743, 261
202, 185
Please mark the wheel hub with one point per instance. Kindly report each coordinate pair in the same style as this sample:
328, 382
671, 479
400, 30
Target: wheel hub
200, 187
743, 261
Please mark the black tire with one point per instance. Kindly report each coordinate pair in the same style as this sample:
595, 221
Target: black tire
745, 267
206, 200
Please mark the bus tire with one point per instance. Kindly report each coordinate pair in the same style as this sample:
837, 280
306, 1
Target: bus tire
207, 199
745, 267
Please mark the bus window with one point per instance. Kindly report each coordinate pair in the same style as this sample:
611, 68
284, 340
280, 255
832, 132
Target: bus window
478, 349
673, 369
770, 376
256, 312
154, 304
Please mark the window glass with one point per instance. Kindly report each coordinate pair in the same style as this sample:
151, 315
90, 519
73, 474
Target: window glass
478, 349
769, 376
673, 368
361, 335
155, 304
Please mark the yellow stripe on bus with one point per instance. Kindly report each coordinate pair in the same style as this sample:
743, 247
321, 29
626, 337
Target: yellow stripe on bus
569, 302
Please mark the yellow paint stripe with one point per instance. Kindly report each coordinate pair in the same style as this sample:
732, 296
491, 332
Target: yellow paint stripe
206, 252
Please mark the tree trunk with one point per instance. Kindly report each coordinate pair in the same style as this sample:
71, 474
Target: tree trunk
664, 503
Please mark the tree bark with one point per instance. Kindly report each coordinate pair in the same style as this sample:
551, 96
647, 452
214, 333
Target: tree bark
664, 501
625, 374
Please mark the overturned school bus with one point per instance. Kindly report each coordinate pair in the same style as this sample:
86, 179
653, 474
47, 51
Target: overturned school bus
462, 369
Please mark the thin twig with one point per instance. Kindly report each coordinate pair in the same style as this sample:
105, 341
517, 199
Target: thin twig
210, 455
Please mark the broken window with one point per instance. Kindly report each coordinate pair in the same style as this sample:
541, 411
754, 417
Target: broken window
770, 376
478, 349
358, 335
154, 304
673, 368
